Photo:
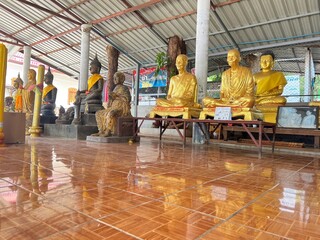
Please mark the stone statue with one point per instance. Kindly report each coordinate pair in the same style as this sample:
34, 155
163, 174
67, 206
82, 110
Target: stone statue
28, 93
269, 83
118, 106
237, 85
65, 117
182, 88
9, 105
17, 95
90, 99
49, 95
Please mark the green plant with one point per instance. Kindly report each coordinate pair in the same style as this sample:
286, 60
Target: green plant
162, 61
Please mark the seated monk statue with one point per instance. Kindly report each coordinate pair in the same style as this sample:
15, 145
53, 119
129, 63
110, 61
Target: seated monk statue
17, 95
237, 85
49, 95
118, 106
28, 93
269, 83
91, 96
182, 88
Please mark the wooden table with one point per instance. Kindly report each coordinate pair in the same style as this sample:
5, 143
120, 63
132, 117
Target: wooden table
204, 126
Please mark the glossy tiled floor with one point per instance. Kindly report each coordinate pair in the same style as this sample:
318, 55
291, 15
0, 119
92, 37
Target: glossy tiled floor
67, 189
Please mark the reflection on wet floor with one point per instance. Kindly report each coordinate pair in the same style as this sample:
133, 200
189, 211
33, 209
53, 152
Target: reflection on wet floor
67, 189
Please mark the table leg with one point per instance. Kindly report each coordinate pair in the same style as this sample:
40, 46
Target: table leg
273, 137
260, 139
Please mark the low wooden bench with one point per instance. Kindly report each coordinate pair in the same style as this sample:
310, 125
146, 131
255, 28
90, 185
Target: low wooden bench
204, 125
284, 131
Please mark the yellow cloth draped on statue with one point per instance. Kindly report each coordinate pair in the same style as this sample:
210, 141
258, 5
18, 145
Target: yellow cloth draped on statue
269, 87
93, 79
18, 107
46, 90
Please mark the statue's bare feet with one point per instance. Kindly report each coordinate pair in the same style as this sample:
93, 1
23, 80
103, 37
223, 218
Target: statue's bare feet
106, 134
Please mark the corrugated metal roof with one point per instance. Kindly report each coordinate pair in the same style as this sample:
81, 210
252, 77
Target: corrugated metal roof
52, 28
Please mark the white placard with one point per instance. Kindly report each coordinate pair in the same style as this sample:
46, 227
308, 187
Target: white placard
223, 113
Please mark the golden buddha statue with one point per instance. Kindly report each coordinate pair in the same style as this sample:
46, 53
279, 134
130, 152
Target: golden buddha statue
269, 87
28, 93
237, 90
118, 106
28, 96
182, 94
270, 84
237, 85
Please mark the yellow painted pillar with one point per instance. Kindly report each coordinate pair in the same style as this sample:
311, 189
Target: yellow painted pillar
35, 129
3, 72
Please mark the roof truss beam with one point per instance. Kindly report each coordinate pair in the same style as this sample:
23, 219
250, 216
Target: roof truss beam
49, 11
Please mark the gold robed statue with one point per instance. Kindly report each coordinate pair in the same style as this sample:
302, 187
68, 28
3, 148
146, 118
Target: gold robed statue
28, 96
269, 83
182, 94
237, 85
269, 87
118, 106
237, 91
28, 93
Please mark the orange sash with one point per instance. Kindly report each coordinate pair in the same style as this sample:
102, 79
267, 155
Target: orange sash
93, 79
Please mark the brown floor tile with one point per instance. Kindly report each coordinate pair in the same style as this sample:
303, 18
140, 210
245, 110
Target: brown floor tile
68, 189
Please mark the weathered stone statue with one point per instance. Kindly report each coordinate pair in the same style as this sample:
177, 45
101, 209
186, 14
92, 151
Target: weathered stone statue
182, 88
269, 87
182, 94
9, 105
270, 84
237, 85
118, 106
89, 101
65, 117
49, 95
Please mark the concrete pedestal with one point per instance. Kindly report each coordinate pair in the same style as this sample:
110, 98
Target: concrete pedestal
79, 132
14, 127
112, 139
48, 119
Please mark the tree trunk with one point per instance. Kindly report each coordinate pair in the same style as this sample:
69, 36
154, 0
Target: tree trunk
113, 55
176, 46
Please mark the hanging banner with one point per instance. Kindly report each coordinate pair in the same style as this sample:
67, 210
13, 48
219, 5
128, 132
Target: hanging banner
292, 88
148, 79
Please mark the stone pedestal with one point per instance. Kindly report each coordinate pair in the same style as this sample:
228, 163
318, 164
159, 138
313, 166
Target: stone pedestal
14, 127
113, 139
88, 119
48, 119
79, 132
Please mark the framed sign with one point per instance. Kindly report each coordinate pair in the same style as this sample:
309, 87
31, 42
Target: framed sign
223, 113
298, 117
